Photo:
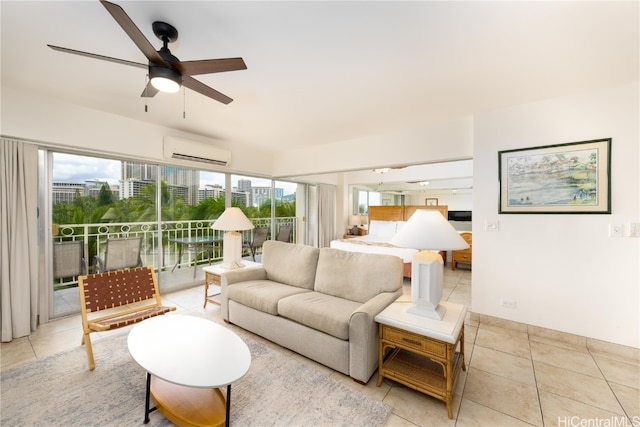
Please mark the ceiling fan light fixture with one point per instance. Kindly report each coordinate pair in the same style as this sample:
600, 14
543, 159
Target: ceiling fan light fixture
165, 79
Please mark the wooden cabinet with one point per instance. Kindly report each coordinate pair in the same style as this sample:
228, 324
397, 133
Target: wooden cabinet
463, 256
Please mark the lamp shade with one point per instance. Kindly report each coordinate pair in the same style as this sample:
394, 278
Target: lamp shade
233, 219
354, 220
428, 229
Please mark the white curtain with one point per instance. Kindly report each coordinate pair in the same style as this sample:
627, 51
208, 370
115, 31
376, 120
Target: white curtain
326, 214
19, 241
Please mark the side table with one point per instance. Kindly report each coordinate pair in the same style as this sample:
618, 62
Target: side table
422, 353
212, 278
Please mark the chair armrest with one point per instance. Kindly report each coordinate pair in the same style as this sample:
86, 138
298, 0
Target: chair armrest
363, 335
229, 278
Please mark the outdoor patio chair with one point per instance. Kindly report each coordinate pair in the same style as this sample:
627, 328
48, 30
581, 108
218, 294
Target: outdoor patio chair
68, 259
120, 254
284, 233
259, 236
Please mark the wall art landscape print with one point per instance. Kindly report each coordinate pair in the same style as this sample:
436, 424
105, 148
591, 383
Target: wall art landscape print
572, 178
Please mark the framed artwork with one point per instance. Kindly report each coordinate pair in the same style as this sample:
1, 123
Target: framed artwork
572, 178
431, 202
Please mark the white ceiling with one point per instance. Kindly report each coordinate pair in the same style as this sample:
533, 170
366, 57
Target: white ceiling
321, 72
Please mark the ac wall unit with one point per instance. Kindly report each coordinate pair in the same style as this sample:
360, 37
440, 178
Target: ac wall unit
197, 152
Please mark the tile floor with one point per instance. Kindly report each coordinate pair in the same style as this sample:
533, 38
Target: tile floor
512, 379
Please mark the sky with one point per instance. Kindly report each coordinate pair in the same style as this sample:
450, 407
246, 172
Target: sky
73, 168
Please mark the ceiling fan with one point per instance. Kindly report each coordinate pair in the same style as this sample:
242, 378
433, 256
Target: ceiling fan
166, 72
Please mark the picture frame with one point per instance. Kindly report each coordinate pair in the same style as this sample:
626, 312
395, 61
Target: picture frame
570, 178
431, 201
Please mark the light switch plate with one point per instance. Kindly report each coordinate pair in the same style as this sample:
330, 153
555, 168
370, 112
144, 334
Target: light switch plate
491, 226
615, 230
634, 229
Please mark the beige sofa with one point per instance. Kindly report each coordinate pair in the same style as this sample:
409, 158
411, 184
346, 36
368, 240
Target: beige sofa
320, 303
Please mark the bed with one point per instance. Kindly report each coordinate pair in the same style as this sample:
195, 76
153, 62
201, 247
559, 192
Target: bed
384, 223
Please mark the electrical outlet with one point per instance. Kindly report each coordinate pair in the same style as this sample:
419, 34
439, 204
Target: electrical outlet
508, 303
615, 230
491, 226
634, 229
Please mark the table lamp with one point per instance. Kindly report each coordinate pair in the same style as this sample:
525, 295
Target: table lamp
354, 222
428, 229
231, 221
364, 221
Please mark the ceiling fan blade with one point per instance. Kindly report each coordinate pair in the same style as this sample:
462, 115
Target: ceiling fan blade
96, 56
149, 91
207, 66
202, 88
133, 32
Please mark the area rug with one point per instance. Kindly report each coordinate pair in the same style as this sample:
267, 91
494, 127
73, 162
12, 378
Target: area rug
278, 390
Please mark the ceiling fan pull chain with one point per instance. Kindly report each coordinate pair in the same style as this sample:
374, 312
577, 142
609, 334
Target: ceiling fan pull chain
146, 89
184, 102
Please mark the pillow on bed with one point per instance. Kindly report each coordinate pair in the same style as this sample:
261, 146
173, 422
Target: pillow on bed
382, 228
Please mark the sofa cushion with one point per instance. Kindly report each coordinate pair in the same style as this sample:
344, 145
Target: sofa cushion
262, 295
322, 312
357, 276
289, 263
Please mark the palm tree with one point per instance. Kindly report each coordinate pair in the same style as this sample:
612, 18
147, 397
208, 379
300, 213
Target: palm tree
207, 208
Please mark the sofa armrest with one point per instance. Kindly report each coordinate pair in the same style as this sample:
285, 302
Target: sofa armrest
363, 335
231, 277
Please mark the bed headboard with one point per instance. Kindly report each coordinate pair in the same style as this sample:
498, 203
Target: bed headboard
401, 213
386, 213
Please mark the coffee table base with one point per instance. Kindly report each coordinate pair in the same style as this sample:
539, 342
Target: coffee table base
189, 406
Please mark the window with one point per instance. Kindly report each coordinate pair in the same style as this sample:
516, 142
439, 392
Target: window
94, 199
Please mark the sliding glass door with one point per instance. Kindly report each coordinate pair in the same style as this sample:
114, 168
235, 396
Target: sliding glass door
169, 208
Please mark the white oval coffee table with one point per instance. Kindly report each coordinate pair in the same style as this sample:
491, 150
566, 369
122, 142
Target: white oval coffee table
187, 359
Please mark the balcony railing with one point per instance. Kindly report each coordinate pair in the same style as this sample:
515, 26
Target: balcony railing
155, 244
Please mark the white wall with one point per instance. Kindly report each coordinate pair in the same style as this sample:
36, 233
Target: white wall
564, 272
438, 143
461, 200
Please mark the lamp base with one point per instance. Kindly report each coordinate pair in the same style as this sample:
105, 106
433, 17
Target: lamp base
232, 265
426, 285
231, 251
436, 312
